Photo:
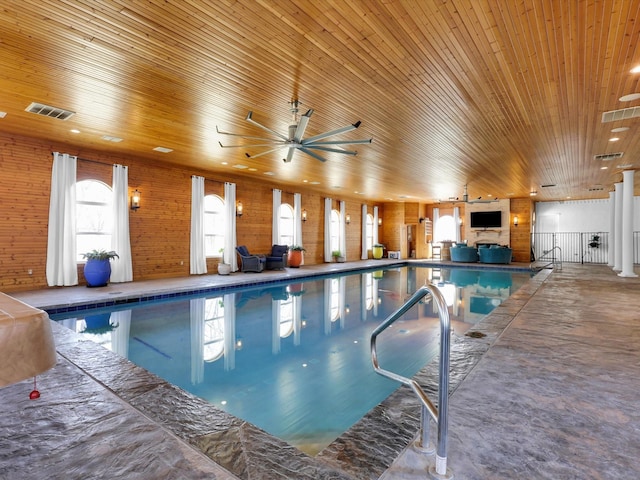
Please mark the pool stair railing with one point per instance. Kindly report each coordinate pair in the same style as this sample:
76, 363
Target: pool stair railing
548, 259
429, 411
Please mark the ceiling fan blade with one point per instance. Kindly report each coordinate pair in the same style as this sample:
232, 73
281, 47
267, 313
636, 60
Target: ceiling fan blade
251, 145
266, 129
330, 133
266, 152
302, 126
334, 150
312, 154
338, 142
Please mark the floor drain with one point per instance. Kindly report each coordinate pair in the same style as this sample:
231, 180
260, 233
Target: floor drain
475, 334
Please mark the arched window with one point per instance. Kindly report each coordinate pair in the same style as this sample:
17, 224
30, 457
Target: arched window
335, 231
335, 299
285, 220
369, 232
214, 225
446, 229
94, 216
213, 329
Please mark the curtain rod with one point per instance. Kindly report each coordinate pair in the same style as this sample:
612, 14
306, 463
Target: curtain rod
86, 160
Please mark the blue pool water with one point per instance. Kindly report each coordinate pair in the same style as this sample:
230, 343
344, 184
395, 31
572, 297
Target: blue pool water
294, 359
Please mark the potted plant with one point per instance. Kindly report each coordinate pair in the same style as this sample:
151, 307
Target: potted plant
223, 268
295, 255
99, 324
378, 250
338, 257
97, 270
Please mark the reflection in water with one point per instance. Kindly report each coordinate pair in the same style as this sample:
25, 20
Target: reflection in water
295, 359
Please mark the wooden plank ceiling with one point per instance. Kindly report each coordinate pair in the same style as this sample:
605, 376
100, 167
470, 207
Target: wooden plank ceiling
503, 95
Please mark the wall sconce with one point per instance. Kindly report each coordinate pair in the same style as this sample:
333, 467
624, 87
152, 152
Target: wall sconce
239, 209
348, 219
135, 200
515, 221
304, 215
379, 220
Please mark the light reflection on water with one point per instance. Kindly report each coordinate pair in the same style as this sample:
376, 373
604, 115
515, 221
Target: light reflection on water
294, 359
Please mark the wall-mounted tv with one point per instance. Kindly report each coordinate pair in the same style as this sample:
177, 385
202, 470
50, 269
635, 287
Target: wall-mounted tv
492, 219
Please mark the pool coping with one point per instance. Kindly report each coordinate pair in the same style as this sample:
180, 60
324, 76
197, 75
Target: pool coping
364, 452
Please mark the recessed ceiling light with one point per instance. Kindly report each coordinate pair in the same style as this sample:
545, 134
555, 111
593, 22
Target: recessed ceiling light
110, 138
533, 193
224, 163
614, 139
629, 98
619, 129
626, 165
74, 130
635, 69
239, 166
3, 114
269, 173
314, 183
253, 169
604, 168
163, 149
305, 181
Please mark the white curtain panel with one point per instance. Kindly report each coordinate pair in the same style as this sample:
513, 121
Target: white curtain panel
297, 219
436, 217
343, 229
275, 220
61, 268
297, 319
197, 257
326, 301
327, 230
230, 244
121, 267
275, 327
456, 222
197, 308
364, 254
375, 225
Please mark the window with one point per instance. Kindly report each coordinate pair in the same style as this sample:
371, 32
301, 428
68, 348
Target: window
214, 225
446, 229
94, 217
285, 220
213, 329
335, 299
286, 317
369, 232
335, 231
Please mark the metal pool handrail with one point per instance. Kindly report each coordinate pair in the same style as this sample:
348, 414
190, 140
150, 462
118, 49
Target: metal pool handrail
438, 414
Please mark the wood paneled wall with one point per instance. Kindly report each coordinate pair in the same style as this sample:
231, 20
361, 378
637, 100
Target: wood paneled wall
159, 229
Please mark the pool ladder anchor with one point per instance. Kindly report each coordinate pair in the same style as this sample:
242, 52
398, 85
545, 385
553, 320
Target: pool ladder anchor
428, 410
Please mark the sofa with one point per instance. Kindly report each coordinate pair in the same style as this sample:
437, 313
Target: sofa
463, 253
494, 254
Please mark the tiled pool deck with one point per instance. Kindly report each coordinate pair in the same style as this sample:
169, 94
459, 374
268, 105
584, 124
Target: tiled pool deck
549, 392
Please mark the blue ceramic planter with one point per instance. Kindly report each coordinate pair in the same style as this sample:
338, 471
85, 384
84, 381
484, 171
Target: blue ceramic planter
97, 272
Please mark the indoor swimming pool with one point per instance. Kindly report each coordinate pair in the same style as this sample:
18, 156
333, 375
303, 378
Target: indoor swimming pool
294, 358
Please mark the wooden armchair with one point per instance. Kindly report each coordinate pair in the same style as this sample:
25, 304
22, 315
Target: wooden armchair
250, 263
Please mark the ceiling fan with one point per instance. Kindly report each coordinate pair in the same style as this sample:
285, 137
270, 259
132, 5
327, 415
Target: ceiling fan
295, 139
465, 198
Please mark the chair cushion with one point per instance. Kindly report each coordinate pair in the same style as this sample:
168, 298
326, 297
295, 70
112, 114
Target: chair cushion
279, 250
243, 251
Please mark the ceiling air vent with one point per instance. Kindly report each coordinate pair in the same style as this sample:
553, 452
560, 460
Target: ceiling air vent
596, 188
49, 111
608, 156
548, 185
622, 114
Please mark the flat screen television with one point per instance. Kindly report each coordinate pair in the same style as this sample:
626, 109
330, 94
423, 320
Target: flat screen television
492, 219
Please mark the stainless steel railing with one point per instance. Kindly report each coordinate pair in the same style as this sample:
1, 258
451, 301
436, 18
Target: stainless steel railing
439, 414
548, 256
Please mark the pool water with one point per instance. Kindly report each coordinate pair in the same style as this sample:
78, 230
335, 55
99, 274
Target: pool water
294, 359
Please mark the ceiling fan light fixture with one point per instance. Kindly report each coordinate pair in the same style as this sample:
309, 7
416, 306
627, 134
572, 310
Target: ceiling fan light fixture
294, 140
